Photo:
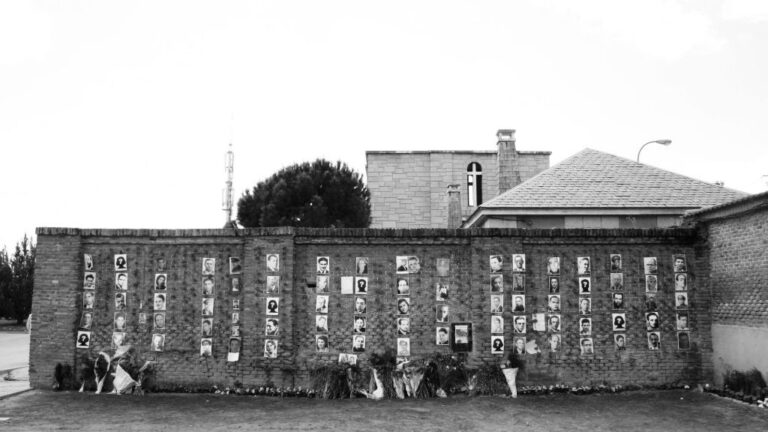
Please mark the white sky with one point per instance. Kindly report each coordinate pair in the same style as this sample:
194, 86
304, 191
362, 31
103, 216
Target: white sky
118, 114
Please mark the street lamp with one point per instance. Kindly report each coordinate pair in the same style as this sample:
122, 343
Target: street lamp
665, 142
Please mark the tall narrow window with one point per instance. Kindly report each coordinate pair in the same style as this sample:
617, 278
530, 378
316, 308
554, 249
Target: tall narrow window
474, 184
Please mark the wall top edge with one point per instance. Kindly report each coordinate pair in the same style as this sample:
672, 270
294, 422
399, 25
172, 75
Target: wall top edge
680, 233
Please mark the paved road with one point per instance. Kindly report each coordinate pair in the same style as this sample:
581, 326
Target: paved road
15, 350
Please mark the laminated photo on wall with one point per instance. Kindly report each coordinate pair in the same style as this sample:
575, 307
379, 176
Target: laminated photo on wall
321, 323
323, 265
403, 347
358, 343
496, 263
271, 327
553, 266
682, 321
403, 306
235, 281
461, 337
361, 285
321, 304
583, 265
497, 284
443, 266
585, 306
518, 282
121, 281
234, 331
158, 342
553, 303
87, 262
497, 303
235, 267
615, 263
360, 306
121, 262
359, 324
120, 299
518, 263
441, 291
619, 321
206, 347
207, 307
585, 326
681, 281
83, 340
347, 284
361, 266
554, 285
554, 343
497, 344
142, 318
272, 305
401, 264
519, 324
518, 303
441, 336
207, 286
585, 285
650, 265
650, 302
652, 321
161, 281
518, 345
617, 300
273, 262
402, 287
206, 328
118, 340
119, 321
160, 264
158, 321
89, 298
89, 280
651, 283
236, 304
273, 284
442, 313
321, 284
654, 340
679, 264
539, 322
683, 341
587, 346
414, 266
681, 300
209, 266
233, 353
235, 317
497, 324
321, 343
86, 320
403, 326
553, 323
617, 281
620, 341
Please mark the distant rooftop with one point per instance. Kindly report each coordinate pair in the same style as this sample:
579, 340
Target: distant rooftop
488, 152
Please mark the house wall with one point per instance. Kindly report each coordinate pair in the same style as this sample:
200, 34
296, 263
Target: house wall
57, 303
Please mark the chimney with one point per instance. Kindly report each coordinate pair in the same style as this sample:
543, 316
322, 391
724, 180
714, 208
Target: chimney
509, 171
454, 206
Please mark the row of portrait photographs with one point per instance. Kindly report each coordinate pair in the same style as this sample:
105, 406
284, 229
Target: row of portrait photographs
518, 283
407, 264
496, 263
497, 303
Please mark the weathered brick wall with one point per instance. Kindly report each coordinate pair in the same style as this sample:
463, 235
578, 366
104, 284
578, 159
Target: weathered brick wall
60, 258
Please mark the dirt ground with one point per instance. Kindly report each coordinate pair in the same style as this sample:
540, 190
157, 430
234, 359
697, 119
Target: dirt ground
630, 411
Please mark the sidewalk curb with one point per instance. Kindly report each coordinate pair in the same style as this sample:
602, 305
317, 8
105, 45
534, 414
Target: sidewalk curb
16, 393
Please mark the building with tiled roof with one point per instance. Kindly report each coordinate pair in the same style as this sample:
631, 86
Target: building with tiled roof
593, 189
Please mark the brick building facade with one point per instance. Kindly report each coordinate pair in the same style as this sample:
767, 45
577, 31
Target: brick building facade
59, 291
409, 189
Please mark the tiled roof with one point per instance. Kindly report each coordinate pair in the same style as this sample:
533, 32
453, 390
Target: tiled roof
593, 179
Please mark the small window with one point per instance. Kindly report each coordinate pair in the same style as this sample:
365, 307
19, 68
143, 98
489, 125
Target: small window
474, 184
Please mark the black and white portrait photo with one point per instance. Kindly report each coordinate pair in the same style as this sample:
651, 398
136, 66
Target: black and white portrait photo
273, 284
401, 264
654, 340
403, 347
615, 263
121, 281
235, 317
142, 318
403, 326
120, 299
554, 285
681, 300
554, 343
360, 305
652, 321
553, 266
403, 306
678, 264
585, 285
359, 324
443, 266
518, 282
441, 336
321, 284
583, 265
160, 264
497, 344
496, 263
651, 283
518, 303
682, 321
206, 347
553, 323
323, 265
442, 314
207, 286
620, 341
235, 304
89, 298
519, 324
361, 266
587, 346
270, 348
160, 281
553, 303
235, 331
121, 262
206, 328
414, 265
321, 304
497, 283
650, 302
89, 280
233, 354
235, 267
683, 341
650, 265
518, 263
87, 262
518, 345
585, 326
120, 321
321, 323
207, 307
618, 300
86, 320
358, 343
272, 327
681, 281
83, 339
617, 281
321, 343
497, 324
497, 303
235, 282
585, 306
619, 321
158, 321
441, 291
209, 266
158, 342
273, 263
361, 285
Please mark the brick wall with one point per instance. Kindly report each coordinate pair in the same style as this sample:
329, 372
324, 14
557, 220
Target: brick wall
57, 306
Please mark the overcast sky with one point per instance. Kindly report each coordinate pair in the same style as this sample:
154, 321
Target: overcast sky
118, 114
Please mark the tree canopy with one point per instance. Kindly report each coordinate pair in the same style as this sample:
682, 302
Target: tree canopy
16, 281
320, 194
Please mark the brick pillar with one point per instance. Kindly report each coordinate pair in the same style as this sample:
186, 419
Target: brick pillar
454, 206
509, 170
